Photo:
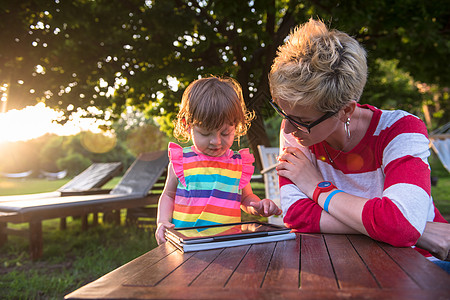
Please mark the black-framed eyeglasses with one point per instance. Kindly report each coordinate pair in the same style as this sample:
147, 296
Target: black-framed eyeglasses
299, 125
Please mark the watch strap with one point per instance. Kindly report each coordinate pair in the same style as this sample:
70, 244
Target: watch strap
320, 190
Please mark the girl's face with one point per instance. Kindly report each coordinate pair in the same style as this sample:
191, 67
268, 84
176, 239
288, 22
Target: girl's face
213, 142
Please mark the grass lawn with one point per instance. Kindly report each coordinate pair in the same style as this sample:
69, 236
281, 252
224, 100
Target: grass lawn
73, 258
33, 185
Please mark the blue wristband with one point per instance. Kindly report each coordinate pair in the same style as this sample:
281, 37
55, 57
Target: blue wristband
327, 201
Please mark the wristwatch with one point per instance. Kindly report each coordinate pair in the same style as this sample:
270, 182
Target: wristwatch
322, 187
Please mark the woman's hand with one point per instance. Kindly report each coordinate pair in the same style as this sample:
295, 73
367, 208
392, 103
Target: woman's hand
295, 166
160, 230
436, 240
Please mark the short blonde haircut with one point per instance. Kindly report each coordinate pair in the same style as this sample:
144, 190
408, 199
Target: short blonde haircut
210, 103
319, 68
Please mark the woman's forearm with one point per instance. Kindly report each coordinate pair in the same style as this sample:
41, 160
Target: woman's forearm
329, 224
345, 213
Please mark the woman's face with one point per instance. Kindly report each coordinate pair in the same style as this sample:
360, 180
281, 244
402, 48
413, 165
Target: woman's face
308, 115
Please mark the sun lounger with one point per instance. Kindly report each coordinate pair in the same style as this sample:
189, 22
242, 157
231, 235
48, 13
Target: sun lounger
87, 182
131, 191
92, 179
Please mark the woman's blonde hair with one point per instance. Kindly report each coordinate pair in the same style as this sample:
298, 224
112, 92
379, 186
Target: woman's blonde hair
319, 68
210, 103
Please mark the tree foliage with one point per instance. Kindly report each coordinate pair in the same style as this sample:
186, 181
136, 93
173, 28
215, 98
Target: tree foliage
86, 49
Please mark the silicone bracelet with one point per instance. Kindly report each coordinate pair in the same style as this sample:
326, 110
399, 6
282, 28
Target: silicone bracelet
327, 201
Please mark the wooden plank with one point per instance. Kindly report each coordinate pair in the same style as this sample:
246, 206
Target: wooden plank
316, 270
63, 223
18, 232
84, 222
284, 265
350, 270
252, 269
386, 271
176, 292
184, 275
116, 214
3, 234
425, 273
95, 219
9, 216
152, 275
87, 192
113, 281
36, 242
220, 270
134, 215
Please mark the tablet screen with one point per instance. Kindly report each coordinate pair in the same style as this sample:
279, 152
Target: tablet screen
227, 231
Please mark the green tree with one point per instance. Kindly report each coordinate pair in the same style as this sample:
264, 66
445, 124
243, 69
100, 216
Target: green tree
391, 88
20, 156
77, 144
50, 152
74, 163
137, 48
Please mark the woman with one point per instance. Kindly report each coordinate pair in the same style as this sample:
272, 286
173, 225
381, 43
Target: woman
346, 167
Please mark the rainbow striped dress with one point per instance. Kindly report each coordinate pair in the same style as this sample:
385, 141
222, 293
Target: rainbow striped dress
209, 188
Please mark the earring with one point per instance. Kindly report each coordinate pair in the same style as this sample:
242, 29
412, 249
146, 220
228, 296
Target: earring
347, 127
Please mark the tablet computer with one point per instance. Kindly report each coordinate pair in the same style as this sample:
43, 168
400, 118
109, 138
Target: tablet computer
224, 232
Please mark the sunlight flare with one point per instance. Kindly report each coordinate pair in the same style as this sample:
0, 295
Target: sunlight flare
35, 121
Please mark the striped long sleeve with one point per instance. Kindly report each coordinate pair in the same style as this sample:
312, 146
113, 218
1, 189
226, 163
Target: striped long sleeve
389, 167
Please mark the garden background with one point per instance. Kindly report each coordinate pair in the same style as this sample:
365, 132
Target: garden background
125, 65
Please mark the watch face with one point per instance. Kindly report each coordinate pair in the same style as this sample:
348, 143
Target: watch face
324, 184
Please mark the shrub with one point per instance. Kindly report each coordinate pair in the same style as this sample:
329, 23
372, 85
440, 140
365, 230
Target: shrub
74, 163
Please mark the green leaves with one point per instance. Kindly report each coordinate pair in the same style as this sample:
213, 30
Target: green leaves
134, 46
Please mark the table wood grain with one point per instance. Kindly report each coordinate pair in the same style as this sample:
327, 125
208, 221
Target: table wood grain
313, 266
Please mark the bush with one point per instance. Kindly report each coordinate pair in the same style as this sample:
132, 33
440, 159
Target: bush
74, 163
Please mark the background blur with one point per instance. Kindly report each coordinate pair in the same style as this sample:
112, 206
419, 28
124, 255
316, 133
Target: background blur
112, 72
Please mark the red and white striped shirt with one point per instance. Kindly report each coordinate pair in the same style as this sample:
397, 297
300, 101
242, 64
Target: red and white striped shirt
389, 166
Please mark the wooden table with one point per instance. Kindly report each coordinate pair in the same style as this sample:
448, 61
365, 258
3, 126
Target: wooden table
313, 266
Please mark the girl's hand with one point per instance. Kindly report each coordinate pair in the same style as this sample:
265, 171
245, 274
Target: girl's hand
160, 230
295, 166
265, 208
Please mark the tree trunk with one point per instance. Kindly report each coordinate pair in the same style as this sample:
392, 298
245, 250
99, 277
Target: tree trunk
257, 136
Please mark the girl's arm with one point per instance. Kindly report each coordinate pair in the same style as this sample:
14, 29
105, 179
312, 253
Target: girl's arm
165, 205
251, 204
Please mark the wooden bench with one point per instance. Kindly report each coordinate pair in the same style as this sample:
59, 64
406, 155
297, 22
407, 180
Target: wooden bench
132, 191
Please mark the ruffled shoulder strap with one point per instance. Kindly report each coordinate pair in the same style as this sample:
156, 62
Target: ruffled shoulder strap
247, 167
176, 158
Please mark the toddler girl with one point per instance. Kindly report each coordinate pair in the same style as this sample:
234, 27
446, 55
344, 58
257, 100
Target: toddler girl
208, 183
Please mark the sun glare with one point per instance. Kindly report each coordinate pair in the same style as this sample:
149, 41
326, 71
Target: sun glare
35, 121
